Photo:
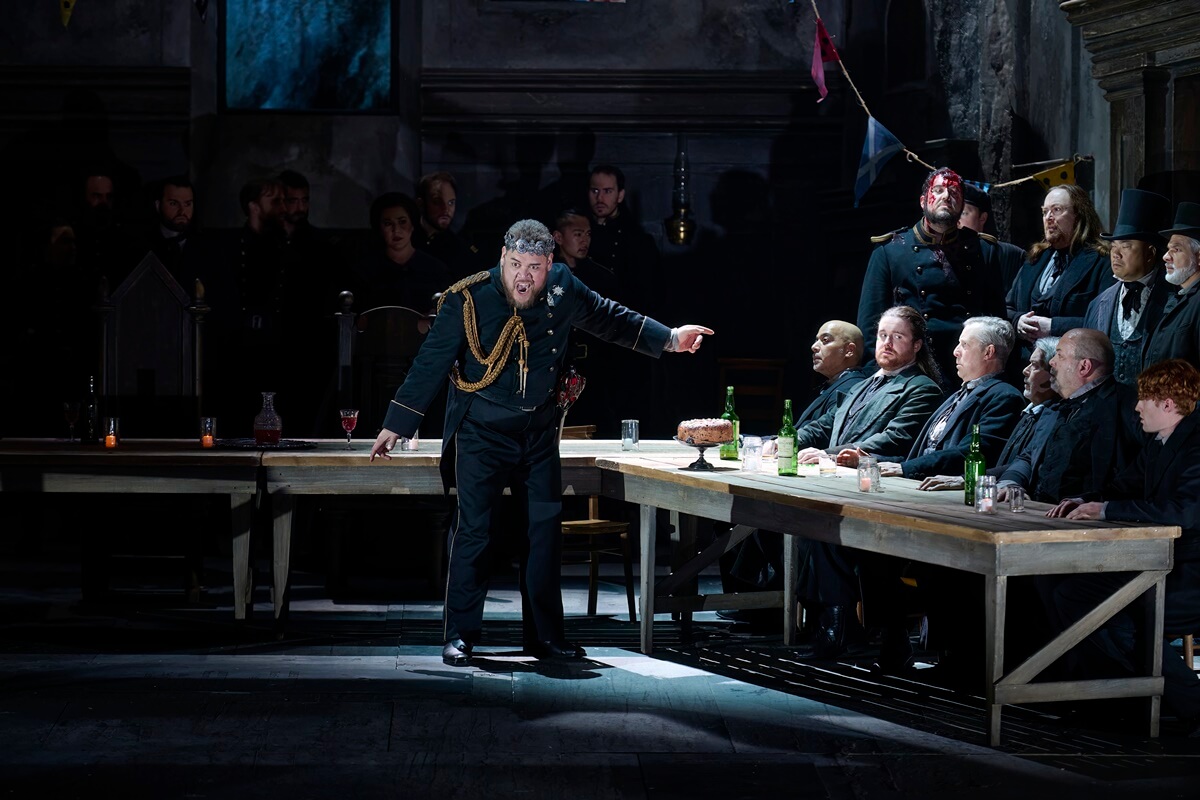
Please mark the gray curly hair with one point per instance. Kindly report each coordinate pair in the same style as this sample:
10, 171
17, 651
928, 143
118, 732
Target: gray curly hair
531, 237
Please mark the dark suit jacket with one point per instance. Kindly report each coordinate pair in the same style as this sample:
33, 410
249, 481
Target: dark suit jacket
1022, 434
1177, 334
1163, 486
889, 422
1078, 447
993, 405
831, 395
1087, 274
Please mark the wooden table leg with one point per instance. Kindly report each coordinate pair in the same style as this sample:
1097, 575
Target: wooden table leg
242, 510
282, 509
647, 523
1153, 653
995, 598
791, 567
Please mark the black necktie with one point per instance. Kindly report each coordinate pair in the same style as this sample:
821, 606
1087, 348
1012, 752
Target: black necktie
864, 397
936, 434
1058, 262
1132, 299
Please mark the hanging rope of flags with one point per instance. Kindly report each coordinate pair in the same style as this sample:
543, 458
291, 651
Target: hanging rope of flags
880, 144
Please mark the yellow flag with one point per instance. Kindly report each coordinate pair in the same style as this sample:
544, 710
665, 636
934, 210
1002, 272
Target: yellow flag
65, 9
1056, 176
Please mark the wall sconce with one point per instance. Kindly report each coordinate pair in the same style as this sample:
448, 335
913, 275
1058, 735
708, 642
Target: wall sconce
680, 226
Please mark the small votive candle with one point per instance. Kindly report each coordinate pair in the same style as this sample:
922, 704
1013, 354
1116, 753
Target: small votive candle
112, 432
208, 430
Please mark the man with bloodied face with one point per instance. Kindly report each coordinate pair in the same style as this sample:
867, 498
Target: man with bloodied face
946, 273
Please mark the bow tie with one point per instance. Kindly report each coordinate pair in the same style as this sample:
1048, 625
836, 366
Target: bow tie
1132, 298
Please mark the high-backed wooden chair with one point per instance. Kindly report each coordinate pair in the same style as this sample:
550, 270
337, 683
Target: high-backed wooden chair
757, 388
151, 334
376, 349
152, 352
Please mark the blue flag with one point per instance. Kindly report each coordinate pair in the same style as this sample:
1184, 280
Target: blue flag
878, 147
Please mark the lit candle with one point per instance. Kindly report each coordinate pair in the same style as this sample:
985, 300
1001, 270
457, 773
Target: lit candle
110, 440
864, 483
206, 440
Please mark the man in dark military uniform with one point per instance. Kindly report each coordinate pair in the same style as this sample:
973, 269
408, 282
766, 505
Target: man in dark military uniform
945, 272
502, 336
1129, 309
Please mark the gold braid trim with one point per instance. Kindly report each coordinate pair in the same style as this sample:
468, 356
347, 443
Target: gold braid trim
513, 331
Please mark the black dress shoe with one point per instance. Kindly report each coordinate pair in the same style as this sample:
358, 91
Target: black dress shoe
560, 650
896, 656
456, 653
835, 630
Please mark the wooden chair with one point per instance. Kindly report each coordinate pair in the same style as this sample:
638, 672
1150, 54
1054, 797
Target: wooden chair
757, 388
596, 537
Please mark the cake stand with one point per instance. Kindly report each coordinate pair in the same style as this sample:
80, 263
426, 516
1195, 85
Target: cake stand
700, 465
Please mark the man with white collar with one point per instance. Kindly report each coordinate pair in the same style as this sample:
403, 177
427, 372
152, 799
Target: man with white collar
1177, 334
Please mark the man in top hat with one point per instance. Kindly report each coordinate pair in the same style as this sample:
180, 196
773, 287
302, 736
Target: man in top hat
977, 209
1177, 334
1132, 306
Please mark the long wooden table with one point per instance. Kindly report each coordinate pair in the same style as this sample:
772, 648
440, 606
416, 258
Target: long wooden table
332, 470
931, 527
137, 466
935, 528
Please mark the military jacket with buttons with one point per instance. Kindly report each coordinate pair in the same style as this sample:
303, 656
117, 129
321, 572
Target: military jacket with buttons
565, 302
947, 283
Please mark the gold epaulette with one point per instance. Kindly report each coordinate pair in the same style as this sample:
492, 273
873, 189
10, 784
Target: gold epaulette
987, 237
884, 237
470, 280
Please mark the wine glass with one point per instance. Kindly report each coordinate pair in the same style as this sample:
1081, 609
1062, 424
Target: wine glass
71, 415
349, 420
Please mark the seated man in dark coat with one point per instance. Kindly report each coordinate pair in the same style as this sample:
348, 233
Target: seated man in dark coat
757, 563
882, 414
1085, 441
984, 400
1162, 486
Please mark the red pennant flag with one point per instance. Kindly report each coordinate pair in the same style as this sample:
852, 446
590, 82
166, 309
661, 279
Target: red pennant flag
823, 50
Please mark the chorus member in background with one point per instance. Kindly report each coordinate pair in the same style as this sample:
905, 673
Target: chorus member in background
1065, 271
1177, 334
1129, 309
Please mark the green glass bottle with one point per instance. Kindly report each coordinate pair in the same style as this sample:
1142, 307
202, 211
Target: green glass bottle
975, 466
729, 452
785, 452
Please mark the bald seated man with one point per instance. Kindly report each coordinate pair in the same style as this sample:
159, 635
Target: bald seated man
837, 354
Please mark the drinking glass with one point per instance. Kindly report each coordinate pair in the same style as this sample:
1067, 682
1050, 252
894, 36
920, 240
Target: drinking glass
826, 466
1016, 499
752, 447
71, 415
349, 420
